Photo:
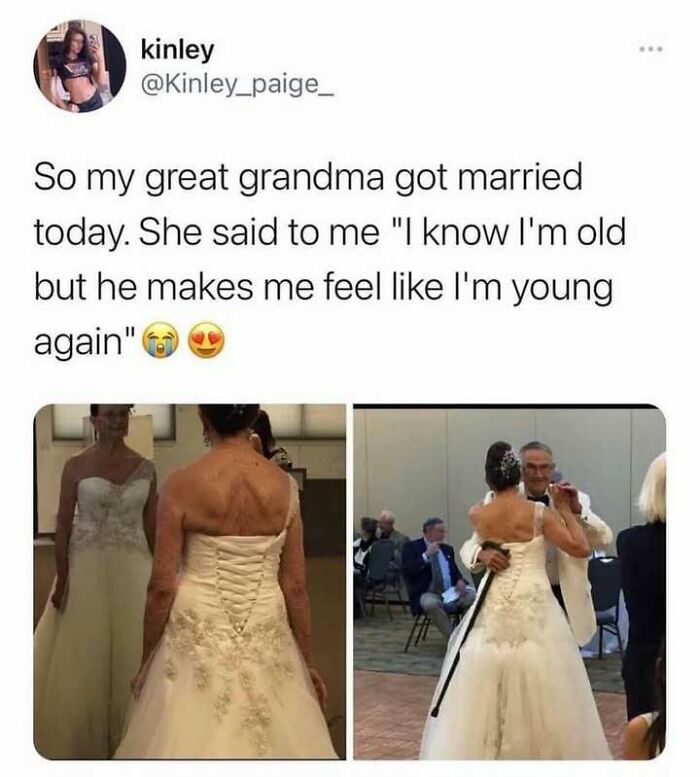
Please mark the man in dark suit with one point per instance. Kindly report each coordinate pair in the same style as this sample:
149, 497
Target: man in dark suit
435, 584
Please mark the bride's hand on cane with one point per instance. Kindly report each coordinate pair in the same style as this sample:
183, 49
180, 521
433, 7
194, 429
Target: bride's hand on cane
493, 559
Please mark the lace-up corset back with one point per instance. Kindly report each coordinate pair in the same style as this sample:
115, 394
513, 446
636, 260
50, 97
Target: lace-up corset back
235, 578
526, 559
514, 611
111, 514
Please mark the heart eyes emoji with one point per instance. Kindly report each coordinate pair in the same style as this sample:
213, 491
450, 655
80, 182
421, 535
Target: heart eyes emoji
206, 340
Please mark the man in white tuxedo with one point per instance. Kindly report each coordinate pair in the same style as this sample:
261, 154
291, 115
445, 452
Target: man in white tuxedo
569, 576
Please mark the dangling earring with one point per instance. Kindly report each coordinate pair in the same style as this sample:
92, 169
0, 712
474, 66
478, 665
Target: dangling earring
206, 439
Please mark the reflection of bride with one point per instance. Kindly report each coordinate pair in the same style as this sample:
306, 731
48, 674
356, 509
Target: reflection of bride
227, 669
520, 689
86, 645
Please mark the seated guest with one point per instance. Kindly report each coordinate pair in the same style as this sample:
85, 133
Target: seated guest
642, 552
388, 532
435, 584
361, 546
645, 735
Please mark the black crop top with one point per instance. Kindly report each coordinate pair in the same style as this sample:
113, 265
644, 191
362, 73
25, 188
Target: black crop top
77, 69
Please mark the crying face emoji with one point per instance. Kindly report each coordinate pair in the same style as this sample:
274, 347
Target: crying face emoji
160, 340
206, 340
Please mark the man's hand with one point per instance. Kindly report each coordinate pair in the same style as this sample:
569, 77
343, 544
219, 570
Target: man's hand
461, 586
432, 549
493, 559
572, 491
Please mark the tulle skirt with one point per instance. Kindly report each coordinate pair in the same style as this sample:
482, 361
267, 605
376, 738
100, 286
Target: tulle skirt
520, 691
204, 697
86, 655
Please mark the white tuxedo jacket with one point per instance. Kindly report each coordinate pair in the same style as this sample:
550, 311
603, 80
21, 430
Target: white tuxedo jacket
570, 573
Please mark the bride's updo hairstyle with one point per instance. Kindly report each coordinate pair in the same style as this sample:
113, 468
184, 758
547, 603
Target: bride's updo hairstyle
230, 419
502, 467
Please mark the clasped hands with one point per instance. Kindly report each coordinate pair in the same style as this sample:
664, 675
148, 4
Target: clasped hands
566, 494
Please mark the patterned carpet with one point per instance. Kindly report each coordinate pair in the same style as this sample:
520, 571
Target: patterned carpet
390, 712
379, 644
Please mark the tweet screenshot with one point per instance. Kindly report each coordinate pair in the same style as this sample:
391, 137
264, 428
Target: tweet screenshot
447, 252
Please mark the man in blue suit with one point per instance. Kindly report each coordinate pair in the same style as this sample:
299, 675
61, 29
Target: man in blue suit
435, 584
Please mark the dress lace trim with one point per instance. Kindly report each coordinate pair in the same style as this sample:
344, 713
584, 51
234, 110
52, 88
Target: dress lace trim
225, 663
111, 519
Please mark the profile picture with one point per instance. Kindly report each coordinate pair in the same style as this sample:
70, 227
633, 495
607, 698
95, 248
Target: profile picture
79, 66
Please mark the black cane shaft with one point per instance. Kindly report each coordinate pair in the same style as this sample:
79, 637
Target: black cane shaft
436, 709
477, 607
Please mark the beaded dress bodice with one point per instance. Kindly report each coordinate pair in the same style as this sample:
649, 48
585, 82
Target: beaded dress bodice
111, 514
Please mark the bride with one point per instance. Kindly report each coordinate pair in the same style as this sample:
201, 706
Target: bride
227, 669
86, 642
520, 689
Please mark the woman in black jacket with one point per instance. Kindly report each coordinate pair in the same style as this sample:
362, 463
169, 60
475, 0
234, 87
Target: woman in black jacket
642, 551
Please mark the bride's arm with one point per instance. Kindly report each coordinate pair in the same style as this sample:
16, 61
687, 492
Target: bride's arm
149, 515
562, 528
292, 577
64, 526
163, 583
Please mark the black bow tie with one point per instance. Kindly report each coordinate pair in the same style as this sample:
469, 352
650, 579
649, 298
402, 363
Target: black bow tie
544, 499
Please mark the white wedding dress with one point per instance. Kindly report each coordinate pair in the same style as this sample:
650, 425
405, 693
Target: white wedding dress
86, 655
227, 679
520, 690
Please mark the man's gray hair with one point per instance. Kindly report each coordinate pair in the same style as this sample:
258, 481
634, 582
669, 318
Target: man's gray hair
387, 515
430, 522
535, 445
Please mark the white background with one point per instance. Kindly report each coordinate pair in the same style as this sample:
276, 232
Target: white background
490, 83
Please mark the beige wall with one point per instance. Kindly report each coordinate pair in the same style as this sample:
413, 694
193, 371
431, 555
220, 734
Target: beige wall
421, 462
323, 459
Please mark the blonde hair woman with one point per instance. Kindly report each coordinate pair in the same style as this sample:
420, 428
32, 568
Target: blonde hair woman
642, 551
652, 497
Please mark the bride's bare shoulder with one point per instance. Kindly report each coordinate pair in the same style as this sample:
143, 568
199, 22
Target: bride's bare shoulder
86, 454
134, 455
216, 468
79, 463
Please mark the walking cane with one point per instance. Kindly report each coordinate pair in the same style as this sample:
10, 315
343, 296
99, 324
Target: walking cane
478, 604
